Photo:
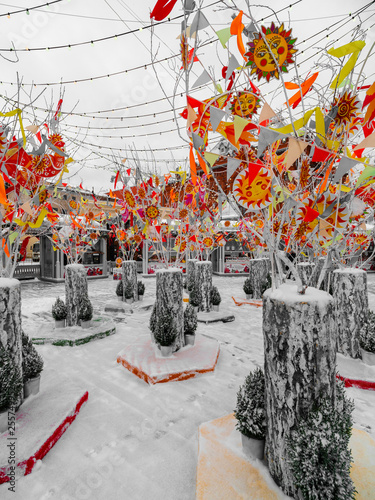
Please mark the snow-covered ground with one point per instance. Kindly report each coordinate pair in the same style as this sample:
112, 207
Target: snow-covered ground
134, 441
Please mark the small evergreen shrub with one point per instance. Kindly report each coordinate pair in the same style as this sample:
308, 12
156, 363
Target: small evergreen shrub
153, 319
120, 289
141, 288
215, 296
11, 385
367, 334
165, 332
85, 309
267, 283
59, 310
250, 410
129, 290
247, 287
318, 451
194, 297
190, 320
32, 361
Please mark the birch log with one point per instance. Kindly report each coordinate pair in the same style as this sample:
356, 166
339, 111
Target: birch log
169, 297
258, 270
75, 289
299, 364
203, 281
129, 275
305, 271
190, 273
351, 300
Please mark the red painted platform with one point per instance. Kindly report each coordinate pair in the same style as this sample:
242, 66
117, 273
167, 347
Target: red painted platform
143, 358
40, 423
355, 373
250, 302
224, 472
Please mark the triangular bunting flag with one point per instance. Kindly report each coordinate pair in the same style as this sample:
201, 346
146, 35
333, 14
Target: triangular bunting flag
239, 124
369, 142
266, 137
202, 79
223, 36
198, 142
295, 149
199, 22
211, 158
232, 65
232, 165
320, 154
266, 113
216, 115
343, 168
191, 117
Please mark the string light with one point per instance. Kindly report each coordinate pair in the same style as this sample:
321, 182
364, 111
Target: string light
8, 14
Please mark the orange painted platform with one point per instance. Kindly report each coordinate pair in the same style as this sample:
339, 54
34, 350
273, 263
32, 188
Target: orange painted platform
240, 302
143, 359
224, 473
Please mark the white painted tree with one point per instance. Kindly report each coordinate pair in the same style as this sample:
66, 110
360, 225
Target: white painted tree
129, 275
203, 284
75, 289
258, 271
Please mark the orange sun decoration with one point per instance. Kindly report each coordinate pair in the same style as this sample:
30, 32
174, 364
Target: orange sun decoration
256, 195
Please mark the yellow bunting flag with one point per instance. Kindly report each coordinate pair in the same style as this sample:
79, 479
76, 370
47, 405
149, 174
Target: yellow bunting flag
319, 125
211, 158
17, 112
239, 124
33, 225
288, 129
353, 48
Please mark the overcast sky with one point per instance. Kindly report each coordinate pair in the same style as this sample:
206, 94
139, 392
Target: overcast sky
75, 21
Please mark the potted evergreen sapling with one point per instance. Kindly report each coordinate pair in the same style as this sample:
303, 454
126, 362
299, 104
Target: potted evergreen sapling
190, 324
32, 366
267, 283
367, 340
10, 387
318, 450
120, 291
165, 333
152, 324
194, 298
129, 294
248, 289
251, 415
215, 298
141, 290
85, 312
59, 313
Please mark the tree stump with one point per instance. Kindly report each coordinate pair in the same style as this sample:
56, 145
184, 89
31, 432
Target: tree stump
129, 275
203, 281
299, 365
75, 288
258, 270
169, 298
305, 271
190, 273
351, 301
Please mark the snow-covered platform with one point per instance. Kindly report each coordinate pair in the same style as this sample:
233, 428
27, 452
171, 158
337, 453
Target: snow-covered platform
40, 423
116, 306
355, 373
215, 317
144, 359
75, 335
224, 472
251, 302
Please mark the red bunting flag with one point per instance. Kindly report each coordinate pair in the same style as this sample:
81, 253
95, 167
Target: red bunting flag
162, 9
310, 214
116, 178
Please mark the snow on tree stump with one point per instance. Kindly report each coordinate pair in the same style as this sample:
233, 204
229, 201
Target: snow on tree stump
190, 273
258, 270
75, 289
169, 295
203, 281
129, 275
351, 300
305, 271
299, 364
10, 314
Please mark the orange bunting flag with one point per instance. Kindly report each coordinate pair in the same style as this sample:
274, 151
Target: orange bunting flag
370, 102
193, 167
236, 28
116, 178
202, 164
3, 196
6, 249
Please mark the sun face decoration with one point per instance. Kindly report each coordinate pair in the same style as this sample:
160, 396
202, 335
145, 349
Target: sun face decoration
142, 193
137, 239
262, 61
183, 213
43, 195
73, 204
120, 235
94, 236
256, 195
245, 104
129, 198
208, 242
152, 212
347, 109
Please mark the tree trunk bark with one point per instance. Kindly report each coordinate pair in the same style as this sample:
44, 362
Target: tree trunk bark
203, 280
75, 288
169, 297
258, 270
305, 271
299, 365
190, 273
351, 300
129, 275
11, 326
